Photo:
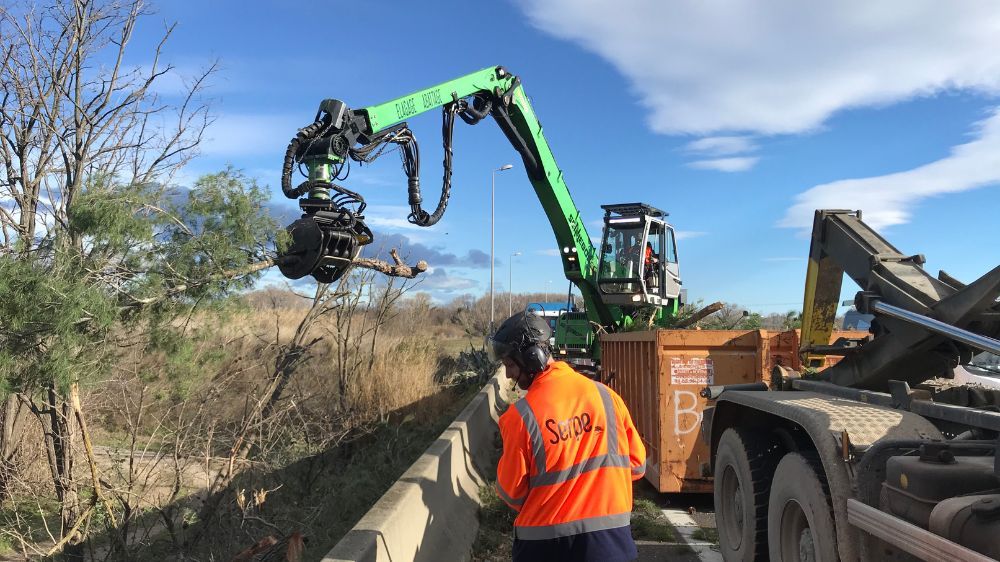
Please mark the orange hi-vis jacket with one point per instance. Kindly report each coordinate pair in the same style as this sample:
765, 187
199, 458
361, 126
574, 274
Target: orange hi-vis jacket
570, 454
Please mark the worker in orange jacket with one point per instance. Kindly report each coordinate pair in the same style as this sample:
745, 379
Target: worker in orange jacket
570, 454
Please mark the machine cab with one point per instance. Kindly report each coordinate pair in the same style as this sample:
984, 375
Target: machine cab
638, 256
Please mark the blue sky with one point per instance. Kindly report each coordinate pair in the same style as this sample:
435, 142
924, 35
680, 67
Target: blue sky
737, 117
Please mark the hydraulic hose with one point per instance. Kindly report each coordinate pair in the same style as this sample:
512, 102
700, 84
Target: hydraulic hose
306, 133
418, 215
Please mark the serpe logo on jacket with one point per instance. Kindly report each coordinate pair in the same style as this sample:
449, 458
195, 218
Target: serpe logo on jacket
570, 428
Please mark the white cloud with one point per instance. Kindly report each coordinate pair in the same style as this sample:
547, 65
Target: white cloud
187, 176
889, 199
392, 219
688, 234
439, 280
721, 146
705, 66
727, 147
390, 223
389, 217
735, 164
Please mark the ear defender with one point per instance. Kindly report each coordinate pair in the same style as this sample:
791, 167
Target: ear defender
534, 358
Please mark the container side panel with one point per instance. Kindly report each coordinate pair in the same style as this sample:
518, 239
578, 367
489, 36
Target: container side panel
689, 360
632, 362
782, 351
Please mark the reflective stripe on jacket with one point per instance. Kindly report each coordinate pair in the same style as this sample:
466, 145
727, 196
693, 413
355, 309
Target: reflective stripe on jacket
570, 454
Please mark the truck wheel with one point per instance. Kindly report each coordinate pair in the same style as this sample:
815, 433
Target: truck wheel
799, 517
744, 463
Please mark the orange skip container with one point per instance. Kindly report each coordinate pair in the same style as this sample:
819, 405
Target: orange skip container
659, 374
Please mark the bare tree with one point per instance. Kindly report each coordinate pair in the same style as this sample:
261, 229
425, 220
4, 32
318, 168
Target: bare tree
472, 315
67, 119
367, 305
790, 320
732, 317
88, 147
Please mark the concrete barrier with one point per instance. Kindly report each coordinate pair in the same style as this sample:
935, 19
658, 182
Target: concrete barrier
431, 512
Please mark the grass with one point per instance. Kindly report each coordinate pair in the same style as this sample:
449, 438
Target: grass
453, 346
706, 534
321, 494
324, 495
26, 519
496, 526
353, 479
648, 522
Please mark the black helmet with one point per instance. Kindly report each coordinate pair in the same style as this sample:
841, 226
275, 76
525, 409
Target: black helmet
518, 333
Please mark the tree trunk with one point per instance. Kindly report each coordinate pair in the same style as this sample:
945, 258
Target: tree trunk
57, 419
12, 415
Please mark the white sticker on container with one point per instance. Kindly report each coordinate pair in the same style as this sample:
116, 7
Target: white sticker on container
692, 370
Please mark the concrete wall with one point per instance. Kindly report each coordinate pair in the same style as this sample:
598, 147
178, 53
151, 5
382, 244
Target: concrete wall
432, 511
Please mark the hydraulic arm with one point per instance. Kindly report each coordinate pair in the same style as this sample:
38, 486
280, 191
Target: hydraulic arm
329, 236
923, 326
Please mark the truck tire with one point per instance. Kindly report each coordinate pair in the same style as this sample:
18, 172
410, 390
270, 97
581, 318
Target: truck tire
744, 464
799, 517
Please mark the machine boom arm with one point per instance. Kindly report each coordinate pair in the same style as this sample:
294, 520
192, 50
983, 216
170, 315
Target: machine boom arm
500, 93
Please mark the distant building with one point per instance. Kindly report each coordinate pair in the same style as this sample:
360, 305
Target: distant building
550, 311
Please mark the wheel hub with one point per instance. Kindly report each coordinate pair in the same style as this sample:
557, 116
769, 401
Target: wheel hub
797, 541
807, 547
732, 511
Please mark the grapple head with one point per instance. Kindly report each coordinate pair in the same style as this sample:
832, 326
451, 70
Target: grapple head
323, 244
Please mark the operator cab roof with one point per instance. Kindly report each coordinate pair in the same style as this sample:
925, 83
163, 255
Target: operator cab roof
632, 209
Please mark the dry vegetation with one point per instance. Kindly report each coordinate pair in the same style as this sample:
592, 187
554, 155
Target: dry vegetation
277, 414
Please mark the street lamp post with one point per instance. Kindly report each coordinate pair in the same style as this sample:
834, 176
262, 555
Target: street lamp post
493, 191
510, 284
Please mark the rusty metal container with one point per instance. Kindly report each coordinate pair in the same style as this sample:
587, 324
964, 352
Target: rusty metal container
659, 374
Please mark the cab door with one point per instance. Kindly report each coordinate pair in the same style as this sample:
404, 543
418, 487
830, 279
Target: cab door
671, 265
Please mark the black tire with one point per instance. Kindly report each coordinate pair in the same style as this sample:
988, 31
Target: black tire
800, 519
744, 465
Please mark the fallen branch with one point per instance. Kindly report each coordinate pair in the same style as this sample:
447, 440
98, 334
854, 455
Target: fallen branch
74, 400
85, 516
700, 315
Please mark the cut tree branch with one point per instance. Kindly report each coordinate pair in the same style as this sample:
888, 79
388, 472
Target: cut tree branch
398, 269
